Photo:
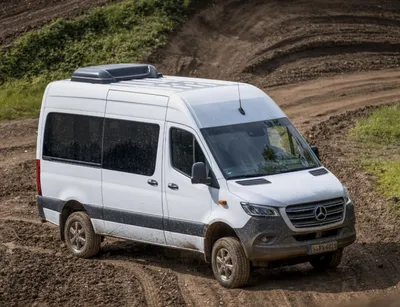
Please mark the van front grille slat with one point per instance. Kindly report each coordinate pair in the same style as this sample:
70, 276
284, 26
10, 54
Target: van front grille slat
318, 224
337, 211
304, 215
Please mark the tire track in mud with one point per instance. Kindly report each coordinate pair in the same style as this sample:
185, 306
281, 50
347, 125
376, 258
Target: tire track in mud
306, 50
18, 219
184, 291
37, 250
309, 103
347, 92
146, 281
206, 292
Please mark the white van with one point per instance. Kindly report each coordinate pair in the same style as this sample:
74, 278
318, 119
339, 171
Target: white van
210, 166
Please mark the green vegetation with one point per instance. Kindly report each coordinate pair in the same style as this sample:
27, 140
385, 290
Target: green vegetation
21, 98
125, 32
388, 174
382, 127
380, 132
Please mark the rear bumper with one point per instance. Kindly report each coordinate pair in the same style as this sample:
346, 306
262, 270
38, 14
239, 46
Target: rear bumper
48, 204
40, 208
283, 243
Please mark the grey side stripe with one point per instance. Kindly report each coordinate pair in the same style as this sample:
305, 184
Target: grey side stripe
130, 218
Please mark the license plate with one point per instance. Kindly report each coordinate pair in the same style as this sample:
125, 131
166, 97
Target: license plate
323, 248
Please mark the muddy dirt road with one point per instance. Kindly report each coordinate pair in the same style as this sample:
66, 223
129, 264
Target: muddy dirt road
35, 267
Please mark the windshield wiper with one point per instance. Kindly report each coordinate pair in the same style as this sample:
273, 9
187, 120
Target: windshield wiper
295, 170
247, 176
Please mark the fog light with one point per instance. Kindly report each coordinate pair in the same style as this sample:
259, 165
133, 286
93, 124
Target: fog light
265, 239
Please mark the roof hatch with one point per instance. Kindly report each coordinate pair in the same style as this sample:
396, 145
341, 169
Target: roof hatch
106, 74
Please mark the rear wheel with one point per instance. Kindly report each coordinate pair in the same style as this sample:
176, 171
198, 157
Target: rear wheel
229, 263
80, 237
327, 261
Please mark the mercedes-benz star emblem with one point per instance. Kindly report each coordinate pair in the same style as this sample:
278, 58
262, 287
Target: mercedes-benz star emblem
320, 213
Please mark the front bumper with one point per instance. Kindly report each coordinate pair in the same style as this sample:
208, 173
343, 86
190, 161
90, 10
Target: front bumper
270, 239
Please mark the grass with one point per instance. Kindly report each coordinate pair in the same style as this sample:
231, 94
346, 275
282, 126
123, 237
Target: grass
380, 132
382, 127
388, 176
21, 98
126, 32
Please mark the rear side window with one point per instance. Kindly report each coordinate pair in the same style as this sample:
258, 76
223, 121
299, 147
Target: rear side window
185, 151
130, 146
73, 137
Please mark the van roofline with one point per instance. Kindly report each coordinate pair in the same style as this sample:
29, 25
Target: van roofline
166, 86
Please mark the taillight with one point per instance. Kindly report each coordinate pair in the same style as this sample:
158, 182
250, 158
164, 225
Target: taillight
38, 183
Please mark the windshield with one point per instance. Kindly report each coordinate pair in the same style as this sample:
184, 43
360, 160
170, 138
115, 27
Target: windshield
259, 148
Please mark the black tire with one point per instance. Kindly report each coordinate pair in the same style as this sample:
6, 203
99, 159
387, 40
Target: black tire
80, 237
239, 265
327, 261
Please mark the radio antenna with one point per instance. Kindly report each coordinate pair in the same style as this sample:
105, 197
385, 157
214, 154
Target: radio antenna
241, 110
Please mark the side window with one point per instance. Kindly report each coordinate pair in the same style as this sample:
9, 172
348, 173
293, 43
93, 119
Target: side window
185, 151
73, 137
130, 146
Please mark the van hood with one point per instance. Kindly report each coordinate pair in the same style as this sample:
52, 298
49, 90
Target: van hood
286, 189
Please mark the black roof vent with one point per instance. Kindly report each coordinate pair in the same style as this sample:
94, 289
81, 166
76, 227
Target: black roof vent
112, 73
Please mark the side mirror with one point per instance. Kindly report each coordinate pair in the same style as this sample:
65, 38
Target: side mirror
199, 174
315, 150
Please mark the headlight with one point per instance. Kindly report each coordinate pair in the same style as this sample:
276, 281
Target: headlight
258, 210
346, 196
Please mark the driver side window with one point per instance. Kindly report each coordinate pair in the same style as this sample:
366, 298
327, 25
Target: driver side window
185, 151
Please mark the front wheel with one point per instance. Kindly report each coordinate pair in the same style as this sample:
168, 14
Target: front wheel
327, 261
80, 237
229, 263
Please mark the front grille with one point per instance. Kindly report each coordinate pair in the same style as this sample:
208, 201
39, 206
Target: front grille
304, 215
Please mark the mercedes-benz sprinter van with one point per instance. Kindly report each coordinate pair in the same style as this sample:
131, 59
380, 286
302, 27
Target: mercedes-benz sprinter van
210, 166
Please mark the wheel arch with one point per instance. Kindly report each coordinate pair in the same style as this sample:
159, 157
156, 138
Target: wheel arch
69, 207
214, 232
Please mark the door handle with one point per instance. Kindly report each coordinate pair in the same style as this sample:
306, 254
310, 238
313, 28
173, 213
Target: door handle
173, 186
152, 182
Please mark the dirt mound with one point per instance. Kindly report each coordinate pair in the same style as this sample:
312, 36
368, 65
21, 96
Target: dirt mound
19, 16
272, 43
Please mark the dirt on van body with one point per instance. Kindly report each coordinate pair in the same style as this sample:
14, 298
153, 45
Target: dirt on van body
268, 43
